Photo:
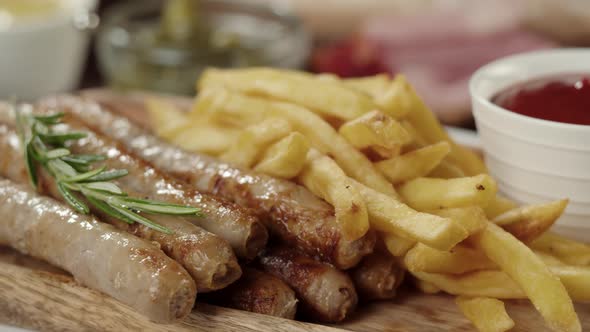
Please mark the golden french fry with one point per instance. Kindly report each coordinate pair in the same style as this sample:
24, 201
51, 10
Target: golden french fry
426, 124
549, 259
413, 164
432, 193
374, 86
461, 259
211, 139
499, 205
319, 133
487, 283
254, 140
426, 287
497, 284
417, 140
472, 218
487, 314
545, 291
228, 107
286, 158
551, 210
323, 177
377, 131
446, 170
528, 222
327, 98
569, 251
576, 280
396, 99
388, 215
397, 245
165, 117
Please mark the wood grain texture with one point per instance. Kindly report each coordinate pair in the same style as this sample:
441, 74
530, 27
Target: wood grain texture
37, 299
37, 296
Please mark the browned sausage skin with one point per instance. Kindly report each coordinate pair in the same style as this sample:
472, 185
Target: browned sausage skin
258, 292
326, 294
96, 254
243, 231
289, 211
208, 258
377, 277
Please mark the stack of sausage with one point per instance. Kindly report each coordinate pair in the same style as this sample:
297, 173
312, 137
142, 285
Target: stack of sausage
264, 245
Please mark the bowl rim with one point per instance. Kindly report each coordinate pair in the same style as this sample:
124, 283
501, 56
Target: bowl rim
492, 107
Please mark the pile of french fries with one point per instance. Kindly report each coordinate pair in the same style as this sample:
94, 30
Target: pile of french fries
372, 149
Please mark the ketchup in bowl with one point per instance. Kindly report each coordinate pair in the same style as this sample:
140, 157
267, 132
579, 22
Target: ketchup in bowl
559, 98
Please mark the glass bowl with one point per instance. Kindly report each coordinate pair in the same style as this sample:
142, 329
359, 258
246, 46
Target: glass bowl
129, 59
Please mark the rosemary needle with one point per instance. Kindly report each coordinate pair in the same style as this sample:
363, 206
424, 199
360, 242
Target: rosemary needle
77, 182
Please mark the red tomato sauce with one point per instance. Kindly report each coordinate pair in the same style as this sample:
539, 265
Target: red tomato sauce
562, 99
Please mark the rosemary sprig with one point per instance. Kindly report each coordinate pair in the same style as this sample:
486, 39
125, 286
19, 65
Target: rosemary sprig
76, 180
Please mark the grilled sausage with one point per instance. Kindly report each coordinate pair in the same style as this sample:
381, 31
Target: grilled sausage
258, 292
208, 259
242, 230
98, 255
289, 211
377, 277
326, 294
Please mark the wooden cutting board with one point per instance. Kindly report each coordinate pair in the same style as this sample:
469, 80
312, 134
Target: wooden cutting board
38, 296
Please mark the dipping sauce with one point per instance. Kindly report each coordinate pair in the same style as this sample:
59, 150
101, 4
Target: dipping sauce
559, 98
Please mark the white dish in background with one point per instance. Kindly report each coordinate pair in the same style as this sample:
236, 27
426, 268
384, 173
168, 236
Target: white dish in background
535, 160
44, 53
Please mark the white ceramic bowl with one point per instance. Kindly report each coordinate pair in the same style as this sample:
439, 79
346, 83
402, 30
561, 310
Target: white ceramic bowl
45, 54
534, 160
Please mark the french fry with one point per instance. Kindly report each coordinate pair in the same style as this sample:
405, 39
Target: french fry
528, 222
545, 291
254, 140
471, 218
228, 107
388, 215
414, 164
377, 131
549, 259
446, 170
397, 245
487, 314
431, 193
374, 86
461, 259
319, 133
496, 284
430, 129
286, 158
576, 280
426, 287
323, 177
417, 140
208, 138
569, 251
165, 117
396, 99
328, 98
499, 205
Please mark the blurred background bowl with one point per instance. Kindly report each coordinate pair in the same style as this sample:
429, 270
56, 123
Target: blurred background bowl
130, 57
534, 160
43, 49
